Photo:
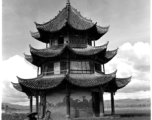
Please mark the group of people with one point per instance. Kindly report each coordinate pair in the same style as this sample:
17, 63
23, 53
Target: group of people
47, 116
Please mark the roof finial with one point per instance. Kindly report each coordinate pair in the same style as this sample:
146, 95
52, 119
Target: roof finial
68, 2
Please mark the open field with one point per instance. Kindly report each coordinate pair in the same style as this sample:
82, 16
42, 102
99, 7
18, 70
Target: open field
127, 109
121, 114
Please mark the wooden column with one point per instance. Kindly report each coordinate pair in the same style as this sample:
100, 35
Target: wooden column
42, 105
37, 71
103, 68
44, 108
96, 104
101, 103
93, 104
94, 43
37, 103
112, 104
31, 104
68, 106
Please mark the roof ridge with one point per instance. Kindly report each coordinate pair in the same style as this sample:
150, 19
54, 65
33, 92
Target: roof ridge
79, 13
52, 19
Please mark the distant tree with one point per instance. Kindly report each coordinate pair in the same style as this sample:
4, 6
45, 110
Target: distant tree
3, 106
6, 108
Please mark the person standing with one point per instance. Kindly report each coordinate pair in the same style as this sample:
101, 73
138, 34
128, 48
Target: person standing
48, 115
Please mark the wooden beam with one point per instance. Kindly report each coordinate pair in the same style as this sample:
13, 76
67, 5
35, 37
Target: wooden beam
112, 104
101, 103
31, 104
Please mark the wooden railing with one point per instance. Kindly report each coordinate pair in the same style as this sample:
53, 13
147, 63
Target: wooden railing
72, 72
71, 45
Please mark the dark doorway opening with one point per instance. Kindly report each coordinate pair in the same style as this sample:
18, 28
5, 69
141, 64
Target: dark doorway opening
61, 40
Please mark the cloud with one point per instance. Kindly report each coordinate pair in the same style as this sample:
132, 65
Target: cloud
15, 66
139, 54
132, 60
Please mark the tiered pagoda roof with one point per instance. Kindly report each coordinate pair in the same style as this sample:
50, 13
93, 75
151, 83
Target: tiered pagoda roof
80, 80
99, 52
69, 18
70, 21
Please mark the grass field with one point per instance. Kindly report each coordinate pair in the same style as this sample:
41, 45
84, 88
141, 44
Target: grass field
121, 114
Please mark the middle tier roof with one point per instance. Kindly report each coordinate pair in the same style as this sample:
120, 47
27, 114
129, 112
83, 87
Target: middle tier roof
98, 53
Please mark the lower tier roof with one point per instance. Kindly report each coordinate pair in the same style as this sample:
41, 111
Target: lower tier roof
80, 80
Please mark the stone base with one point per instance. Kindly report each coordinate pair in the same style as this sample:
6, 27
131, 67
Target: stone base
97, 118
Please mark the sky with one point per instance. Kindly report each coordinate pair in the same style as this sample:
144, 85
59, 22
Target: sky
129, 31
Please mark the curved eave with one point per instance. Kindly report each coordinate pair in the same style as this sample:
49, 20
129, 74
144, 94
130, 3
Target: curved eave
54, 24
39, 37
91, 80
69, 17
42, 82
122, 82
100, 31
79, 80
110, 54
28, 58
53, 52
17, 86
35, 35
90, 50
49, 52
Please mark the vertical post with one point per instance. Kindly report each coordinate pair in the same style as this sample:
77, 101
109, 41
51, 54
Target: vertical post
44, 109
37, 71
46, 45
68, 64
103, 68
31, 105
40, 70
112, 104
101, 103
37, 104
93, 104
94, 43
96, 104
68, 106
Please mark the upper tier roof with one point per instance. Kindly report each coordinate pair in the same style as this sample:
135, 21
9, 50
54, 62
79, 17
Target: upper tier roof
69, 18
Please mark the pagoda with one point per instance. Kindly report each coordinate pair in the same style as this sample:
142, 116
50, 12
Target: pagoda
70, 63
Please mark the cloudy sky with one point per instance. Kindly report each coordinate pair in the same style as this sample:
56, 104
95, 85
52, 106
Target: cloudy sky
129, 30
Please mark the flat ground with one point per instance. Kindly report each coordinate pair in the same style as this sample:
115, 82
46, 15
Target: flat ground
121, 114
